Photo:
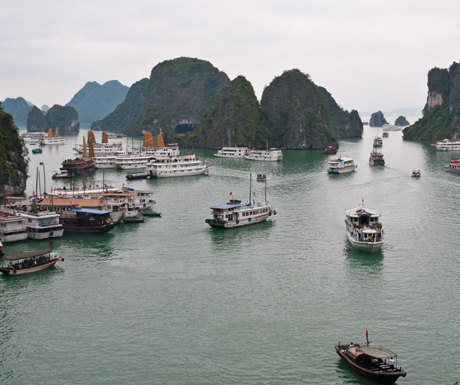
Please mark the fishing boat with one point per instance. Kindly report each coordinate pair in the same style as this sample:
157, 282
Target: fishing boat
237, 214
50, 139
341, 165
261, 177
86, 221
378, 141
416, 174
372, 362
30, 262
36, 151
186, 165
385, 134
270, 155
364, 231
330, 150
137, 175
376, 158
79, 166
232, 152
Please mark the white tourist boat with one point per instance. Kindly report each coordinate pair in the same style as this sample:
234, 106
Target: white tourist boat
132, 162
106, 161
43, 225
376, 158
186, 165
232, 152
50, 139
364, 231
101, 148
168, 151
33, 137
270, 155
237, 214
143, 199
448, 145
12, 226
391, 127
341, 165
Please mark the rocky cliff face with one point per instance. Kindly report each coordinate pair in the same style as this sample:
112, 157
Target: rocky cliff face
13, 157
441, 115
179, 93
95, 101
64, 118
377, 119
18, 108
295, 114
343, 124
234, 119
127, 110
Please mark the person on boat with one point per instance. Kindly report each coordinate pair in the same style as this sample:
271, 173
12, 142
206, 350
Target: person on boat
351, 345
391, 362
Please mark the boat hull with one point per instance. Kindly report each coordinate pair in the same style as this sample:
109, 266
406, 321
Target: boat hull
173, 174
46, 235
341, 170
14, 237
380, 377
230, 224
89, 230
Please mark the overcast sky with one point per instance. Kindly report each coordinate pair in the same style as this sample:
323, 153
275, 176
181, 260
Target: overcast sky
369, 54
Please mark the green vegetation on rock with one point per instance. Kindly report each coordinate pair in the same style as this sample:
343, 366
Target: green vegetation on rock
13, 157
19, 108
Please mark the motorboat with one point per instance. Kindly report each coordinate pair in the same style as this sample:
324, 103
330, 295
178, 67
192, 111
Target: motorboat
232, 152
30, 262
36, 151
376, 158
416, 174
378, 141
270, 155
372, 362
137, 175
62, 174
43, 224
447, 145
364, 231
385, 134
261, 177
454, 165
236, 213
341, 165
186, 165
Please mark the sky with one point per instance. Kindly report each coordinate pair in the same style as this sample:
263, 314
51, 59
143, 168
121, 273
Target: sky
370, 55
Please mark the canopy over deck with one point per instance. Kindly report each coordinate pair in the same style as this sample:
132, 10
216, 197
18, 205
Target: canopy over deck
29, 254
376, 351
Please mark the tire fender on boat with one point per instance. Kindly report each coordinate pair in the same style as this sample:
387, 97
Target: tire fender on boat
237, 221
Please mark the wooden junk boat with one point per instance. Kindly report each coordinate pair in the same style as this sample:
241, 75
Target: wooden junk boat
371, 362
27, 263
86, 221
330, 150
79, 166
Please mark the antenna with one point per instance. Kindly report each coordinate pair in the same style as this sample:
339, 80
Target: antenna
250, 185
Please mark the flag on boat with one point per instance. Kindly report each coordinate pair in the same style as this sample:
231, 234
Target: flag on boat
367, 334
51, 242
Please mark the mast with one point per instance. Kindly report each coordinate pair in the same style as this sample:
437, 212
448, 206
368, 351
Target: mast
250, 185
265, 190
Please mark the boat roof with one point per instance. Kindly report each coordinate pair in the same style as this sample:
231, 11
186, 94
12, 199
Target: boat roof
226, 206
90, 211
361, 211
376, 351
29, 254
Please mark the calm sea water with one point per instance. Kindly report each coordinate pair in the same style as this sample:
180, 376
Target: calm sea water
172, 301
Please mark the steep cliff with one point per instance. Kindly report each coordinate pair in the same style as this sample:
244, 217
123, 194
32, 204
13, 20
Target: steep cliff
441, 115
343, 124
13, 157
377, 119
180, 91
64, 118
127, 110
95, 101
234, 119
295, 114
18, 108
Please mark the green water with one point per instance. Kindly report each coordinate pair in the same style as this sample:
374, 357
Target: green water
172, 301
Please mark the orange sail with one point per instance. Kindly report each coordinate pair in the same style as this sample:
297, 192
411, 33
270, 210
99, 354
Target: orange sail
91, 137
84, 146
91, 149
50, 133
148, 140
160, 141
56, 134
105, 139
